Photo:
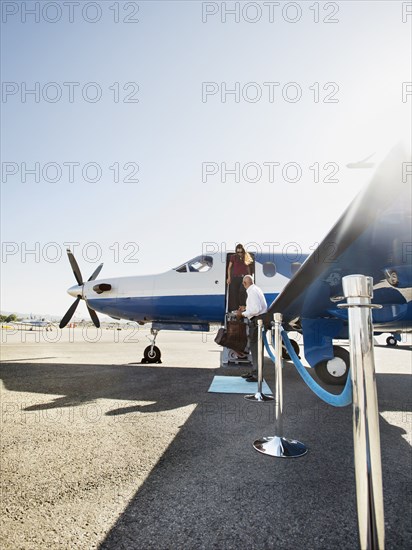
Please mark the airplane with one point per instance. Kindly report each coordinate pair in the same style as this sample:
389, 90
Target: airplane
191, 296
34, 323
372, 237
362, 163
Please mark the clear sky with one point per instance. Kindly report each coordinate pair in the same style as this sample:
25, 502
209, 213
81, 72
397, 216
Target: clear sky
130, 125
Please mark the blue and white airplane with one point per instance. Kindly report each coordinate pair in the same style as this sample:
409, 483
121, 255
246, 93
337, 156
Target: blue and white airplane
373, 237
189, 297
32, 322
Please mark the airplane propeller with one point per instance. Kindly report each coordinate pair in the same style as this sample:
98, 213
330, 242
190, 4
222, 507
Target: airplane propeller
78, 276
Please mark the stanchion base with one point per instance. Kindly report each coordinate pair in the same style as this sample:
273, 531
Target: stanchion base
259, 397
280, 447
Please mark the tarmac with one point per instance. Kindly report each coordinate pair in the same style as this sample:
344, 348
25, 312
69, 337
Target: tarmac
99, 451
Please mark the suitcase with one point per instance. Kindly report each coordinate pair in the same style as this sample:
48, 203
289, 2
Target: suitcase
234, 337
221, 337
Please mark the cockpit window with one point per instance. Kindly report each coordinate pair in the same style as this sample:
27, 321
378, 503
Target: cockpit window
199, 264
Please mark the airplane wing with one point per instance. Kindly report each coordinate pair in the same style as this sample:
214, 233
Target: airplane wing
373, 237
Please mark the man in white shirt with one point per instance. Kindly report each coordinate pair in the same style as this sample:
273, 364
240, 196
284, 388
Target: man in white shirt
255, 306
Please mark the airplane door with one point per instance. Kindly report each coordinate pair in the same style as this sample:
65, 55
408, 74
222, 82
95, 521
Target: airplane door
236, 295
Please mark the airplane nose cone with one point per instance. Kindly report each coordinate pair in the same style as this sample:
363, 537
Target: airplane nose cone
75, 291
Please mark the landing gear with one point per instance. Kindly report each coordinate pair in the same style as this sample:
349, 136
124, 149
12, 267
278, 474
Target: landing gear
334, 371
152, 353
391, 341
295, 346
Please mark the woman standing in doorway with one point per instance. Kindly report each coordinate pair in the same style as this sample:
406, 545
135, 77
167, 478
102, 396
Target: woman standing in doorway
240, 264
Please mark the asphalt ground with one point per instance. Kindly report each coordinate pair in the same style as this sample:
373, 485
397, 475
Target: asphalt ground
99, 451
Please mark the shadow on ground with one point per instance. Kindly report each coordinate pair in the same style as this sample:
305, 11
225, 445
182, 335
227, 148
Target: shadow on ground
211, 489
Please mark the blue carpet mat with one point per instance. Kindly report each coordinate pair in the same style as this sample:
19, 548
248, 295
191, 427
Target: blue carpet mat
236, 384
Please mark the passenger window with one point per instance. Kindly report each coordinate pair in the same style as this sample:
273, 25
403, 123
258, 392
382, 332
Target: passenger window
269, 269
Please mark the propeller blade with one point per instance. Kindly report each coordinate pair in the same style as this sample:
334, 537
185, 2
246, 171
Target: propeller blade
69, 313
95, 273
94, 317
75, 267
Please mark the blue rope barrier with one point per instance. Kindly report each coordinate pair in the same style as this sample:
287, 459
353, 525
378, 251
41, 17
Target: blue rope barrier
270, 352
341, 400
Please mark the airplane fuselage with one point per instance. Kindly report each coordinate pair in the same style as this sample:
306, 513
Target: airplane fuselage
184, 294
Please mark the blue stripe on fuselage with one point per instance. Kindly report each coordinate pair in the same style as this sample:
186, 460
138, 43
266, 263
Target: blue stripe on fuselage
186, 309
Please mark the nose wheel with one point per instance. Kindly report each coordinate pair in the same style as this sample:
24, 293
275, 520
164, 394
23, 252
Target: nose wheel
152, 353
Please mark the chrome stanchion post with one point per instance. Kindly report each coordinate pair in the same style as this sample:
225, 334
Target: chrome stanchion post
278, 445
260, 355
259, 396
277, 330
358, 290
